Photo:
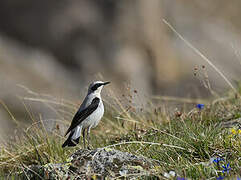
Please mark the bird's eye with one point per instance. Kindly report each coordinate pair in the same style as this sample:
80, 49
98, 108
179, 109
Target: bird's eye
95, 87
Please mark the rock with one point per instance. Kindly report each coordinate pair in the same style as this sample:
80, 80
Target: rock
98, 163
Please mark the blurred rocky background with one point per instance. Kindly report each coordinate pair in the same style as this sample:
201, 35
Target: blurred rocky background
58, 47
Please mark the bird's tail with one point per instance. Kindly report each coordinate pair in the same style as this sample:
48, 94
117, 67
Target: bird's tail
71, 142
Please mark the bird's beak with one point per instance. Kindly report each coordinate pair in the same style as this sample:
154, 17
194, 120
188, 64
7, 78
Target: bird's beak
105, 83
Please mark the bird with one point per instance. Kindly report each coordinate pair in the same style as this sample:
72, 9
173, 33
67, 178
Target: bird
88, 116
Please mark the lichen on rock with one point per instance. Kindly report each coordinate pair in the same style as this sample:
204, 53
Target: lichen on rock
96, 164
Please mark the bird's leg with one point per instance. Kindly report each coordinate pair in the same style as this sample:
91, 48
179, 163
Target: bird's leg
88, 138
83, 133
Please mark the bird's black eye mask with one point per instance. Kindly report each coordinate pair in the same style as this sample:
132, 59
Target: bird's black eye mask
96, 86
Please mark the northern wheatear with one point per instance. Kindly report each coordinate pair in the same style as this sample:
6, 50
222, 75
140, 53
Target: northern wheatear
88, 116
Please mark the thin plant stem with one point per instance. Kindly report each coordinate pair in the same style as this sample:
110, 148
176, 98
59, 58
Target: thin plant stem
200, 54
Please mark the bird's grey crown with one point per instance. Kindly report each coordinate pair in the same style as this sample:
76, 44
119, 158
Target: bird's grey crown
95, 85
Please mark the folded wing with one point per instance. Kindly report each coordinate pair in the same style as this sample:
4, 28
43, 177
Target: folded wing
83, 114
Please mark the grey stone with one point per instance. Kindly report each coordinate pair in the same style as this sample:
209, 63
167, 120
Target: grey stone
97, 164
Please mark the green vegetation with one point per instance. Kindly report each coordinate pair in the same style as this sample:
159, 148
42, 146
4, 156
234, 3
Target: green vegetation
183, 142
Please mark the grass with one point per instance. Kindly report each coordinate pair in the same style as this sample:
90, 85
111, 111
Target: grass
200, 54
186, 141
182, 141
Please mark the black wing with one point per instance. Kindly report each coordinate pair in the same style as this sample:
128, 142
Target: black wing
83, 114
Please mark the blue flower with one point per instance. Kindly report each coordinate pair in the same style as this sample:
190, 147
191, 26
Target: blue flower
220, 178
200, 106
180, 178
217, 160
226, 168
